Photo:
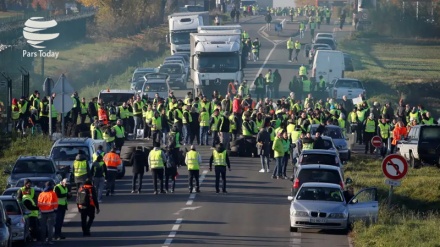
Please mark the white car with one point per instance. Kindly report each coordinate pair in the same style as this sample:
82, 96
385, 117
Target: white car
324, 206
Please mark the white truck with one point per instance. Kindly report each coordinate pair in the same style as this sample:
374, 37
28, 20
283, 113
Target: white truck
181, 25
328, 64
215, 61
236, 29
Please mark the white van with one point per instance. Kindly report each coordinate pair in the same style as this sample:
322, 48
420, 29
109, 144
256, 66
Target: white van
329, 64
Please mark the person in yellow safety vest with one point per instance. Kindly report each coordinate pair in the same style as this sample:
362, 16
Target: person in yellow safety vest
290, 46
256, 45
278, 149
369, 131
187, 98
302, 71
54, 117
112, 113
156, 127
321, 85
341, 123
245, 35
286, 144
63, 195
301, 28
220, 159
156, 160
296, 134
233, 125
186, 121
26, 195
290, 126
259, 86
361, 115
99, 174
84, 110
193, 160
328, 14
248, 128
312, 26
259, 121
269, 83
307, 142
428, 120
213, 127
414, 114
124, 113
99, 152
291, 14
204, 126
243, 90
137, 115
97, 132
81, 169
206, 104
178, 116
306, 86
15, 112
383, 130
148, 115
297, 46
109, 136
44, 115
119, 134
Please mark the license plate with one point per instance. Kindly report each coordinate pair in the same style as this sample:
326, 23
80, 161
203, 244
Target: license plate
318, 220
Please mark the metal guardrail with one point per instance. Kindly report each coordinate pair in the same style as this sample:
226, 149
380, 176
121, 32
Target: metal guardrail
11, 23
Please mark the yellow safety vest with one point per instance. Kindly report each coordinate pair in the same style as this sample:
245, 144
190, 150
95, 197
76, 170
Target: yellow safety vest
297, 46
302, 70
139, 108
192, 160
290, 44
34, 213
430, 121
295, 135
157, 123
107, 137
219, 159
384, 130
46, 107
307, 146
370, 126
15, 114
306, 86
269, 78
414, 116
123, 112
156, 159
83, 108
278, 148
62, 200
189, 118
79, 168
204, 117
28, 196
214, 125
98, 134
179, 114
54, 112
247, 131
120, 131
360, 115
232, 125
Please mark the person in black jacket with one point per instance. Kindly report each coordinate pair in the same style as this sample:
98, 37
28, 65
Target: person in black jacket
91, 109
264, 147
223, 129
88, 212
139, 162
220, 166
318, 142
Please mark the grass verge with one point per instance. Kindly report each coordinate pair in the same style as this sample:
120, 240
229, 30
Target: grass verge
413, 217
32, 145
394, 68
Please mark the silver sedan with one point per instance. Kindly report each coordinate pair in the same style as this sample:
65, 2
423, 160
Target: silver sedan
325, 206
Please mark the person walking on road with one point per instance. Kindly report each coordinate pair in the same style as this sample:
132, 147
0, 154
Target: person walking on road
48, 204
220, 159
99, 173
112, 161
297, 46
264, 148
193, 160
81, 169
223, 128
63, 195
156, 160
88, 204
26, 195
302, 28
290, 46
170, 172
268, 19
138, 162
342, 20
369, 131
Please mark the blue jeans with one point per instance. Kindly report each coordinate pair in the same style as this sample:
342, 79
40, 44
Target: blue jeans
186, 133
279, 167
269, 90
265, 162
138, 124
204, 135
164, 137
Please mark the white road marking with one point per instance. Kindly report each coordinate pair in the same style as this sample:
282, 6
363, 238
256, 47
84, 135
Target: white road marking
179, 221
295, 239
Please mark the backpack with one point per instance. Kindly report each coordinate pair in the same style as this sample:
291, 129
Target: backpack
83, 198
171, 140
112, 110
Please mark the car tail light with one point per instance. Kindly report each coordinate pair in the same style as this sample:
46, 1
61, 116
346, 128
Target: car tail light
341, 184
296, 184
335, 93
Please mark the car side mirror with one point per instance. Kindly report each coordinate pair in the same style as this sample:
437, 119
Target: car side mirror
290, 198
8, 172
8, 221
354, 201
348, 181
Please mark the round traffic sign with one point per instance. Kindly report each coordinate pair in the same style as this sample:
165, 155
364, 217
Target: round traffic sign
376, 141
394, 166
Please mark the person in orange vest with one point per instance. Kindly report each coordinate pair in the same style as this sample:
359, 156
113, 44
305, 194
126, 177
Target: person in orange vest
87, 206
399, 133
102, 115
112, 161
48, 204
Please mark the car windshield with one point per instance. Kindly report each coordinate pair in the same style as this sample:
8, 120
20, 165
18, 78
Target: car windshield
171, 69
68, 153
218, 62
181, 37
319, 175
325, 35
117, 98
11, 207
348, 84
430, 133
334, 133
320, 194
325, 41
138, 75
326, 159
34, 166
155, 87
35, 183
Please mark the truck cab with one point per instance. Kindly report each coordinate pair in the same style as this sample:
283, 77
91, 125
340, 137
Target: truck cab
180, 27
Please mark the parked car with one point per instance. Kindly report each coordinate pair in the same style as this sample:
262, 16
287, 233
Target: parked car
36, 182
324, 206
5, 228
349, 87
421, 146
319, 156
32, 166
138, 75
156, 83
177, 74
335, 132
309, 47
348, 62
64, 152
317, 173
325, 35
324, 40
315, 48
19, 223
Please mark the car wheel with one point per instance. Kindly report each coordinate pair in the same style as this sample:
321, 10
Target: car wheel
413, 162
293, 229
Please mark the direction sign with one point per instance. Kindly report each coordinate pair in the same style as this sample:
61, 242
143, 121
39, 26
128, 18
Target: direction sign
394, 167
58, 103
392, 182
376, 141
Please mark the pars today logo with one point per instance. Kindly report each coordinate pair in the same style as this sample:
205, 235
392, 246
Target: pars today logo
35, 36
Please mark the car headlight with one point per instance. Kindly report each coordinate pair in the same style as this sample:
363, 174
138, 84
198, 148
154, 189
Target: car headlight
299, 213
338, 215
20, 225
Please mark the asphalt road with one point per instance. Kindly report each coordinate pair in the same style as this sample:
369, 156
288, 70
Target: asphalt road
255, 212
